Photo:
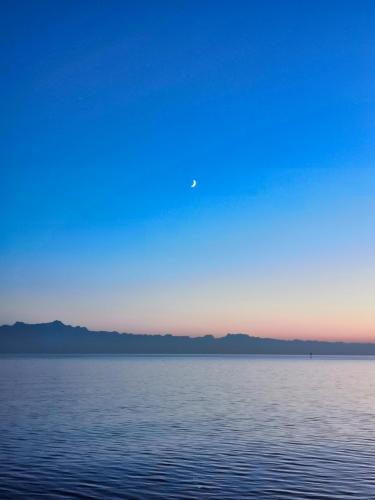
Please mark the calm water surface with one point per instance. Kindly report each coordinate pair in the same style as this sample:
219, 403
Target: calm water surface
187, 427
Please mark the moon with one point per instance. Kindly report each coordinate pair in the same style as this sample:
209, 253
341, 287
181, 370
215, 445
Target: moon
194, 184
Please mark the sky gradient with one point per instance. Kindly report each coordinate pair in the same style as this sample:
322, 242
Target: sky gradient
110, 109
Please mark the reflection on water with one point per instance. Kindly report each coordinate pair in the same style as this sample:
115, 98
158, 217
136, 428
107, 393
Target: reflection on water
187, 427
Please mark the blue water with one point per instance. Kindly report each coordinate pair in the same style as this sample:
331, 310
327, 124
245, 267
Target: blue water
187, 427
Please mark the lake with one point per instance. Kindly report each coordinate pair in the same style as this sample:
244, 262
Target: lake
187, 427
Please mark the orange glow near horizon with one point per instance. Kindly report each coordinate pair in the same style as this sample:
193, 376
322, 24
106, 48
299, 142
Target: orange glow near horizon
304, 307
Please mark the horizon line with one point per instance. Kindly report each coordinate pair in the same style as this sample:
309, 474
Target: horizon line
282, 339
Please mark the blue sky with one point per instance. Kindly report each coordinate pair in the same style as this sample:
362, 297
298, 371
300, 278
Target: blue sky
112, 108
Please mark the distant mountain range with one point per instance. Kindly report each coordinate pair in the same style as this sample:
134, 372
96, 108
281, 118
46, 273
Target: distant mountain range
57, 338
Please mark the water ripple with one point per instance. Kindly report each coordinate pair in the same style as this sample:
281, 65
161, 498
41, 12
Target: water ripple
187, 427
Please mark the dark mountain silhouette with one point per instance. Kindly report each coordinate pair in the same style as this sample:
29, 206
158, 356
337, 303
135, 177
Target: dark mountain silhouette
57, 338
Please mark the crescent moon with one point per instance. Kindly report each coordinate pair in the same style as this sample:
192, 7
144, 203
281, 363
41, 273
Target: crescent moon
194, 184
